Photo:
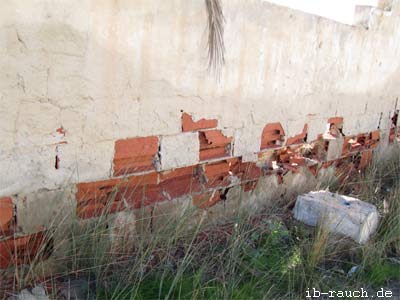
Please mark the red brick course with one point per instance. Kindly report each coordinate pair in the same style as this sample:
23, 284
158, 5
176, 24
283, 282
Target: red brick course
272, 136
115, 194
205, 181
135, 155
213, 144
180, 182
189, 125
22, 250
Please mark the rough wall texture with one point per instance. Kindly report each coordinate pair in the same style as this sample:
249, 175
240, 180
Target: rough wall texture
113, 100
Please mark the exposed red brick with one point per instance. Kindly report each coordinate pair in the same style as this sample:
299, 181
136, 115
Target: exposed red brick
298, 160
249, 186
93, 198
314, 170
247, 171
216, 169
180, 172
375, 135
392, 135
217, 174
292, 168
180, 182
272, 136
189, 125
61, 131
206, 154
373, 139
216, 138
361, 142
327, 164
299, 138
207, 199
22, 250
284, 155
213, 144
336, 120
366, 159
280, 178
135, 155
6, 214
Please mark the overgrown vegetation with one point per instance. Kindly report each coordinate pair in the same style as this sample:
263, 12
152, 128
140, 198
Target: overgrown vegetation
263, 256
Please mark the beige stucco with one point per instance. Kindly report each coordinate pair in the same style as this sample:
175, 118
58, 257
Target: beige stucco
106, 70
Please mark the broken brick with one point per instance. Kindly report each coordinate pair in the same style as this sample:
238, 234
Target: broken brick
180, 182
207, 199
23, 250
392, 135
336, 121
213, 144
284, 155
375, 135
272, 136
135, 155
247, 171
314, 169
366, 159
217, 174
299, 138
373, 139
6, 214
61, 131
97, 196
250, 185
189, 125
180, 172
297, 160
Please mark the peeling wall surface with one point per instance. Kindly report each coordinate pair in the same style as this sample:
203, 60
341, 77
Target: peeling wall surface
81, 80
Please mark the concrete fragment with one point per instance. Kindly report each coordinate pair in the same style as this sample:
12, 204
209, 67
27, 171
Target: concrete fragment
45, 209
37, 293
338, 213
122, 227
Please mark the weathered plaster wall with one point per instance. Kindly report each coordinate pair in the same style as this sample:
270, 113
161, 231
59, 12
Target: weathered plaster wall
78, 76
106, 70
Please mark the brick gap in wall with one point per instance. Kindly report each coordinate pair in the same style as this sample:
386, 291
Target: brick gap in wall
138, 181
272, 136
212, 173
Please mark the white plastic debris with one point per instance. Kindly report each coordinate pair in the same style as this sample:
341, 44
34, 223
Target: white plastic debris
353, 270
339, 214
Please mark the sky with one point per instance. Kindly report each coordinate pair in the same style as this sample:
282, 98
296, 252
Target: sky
338, 10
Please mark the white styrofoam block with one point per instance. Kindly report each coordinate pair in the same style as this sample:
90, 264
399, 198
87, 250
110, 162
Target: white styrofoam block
340, 214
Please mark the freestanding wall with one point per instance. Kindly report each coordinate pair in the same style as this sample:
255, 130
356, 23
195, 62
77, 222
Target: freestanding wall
101, 95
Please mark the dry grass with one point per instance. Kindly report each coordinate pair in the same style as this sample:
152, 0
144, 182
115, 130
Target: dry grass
260, 256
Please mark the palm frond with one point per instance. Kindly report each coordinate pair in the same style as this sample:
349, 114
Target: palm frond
215, 26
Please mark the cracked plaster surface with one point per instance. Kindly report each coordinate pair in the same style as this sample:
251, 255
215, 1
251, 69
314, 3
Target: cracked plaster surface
103, 75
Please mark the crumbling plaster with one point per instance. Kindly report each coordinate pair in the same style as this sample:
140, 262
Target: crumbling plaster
105, 70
